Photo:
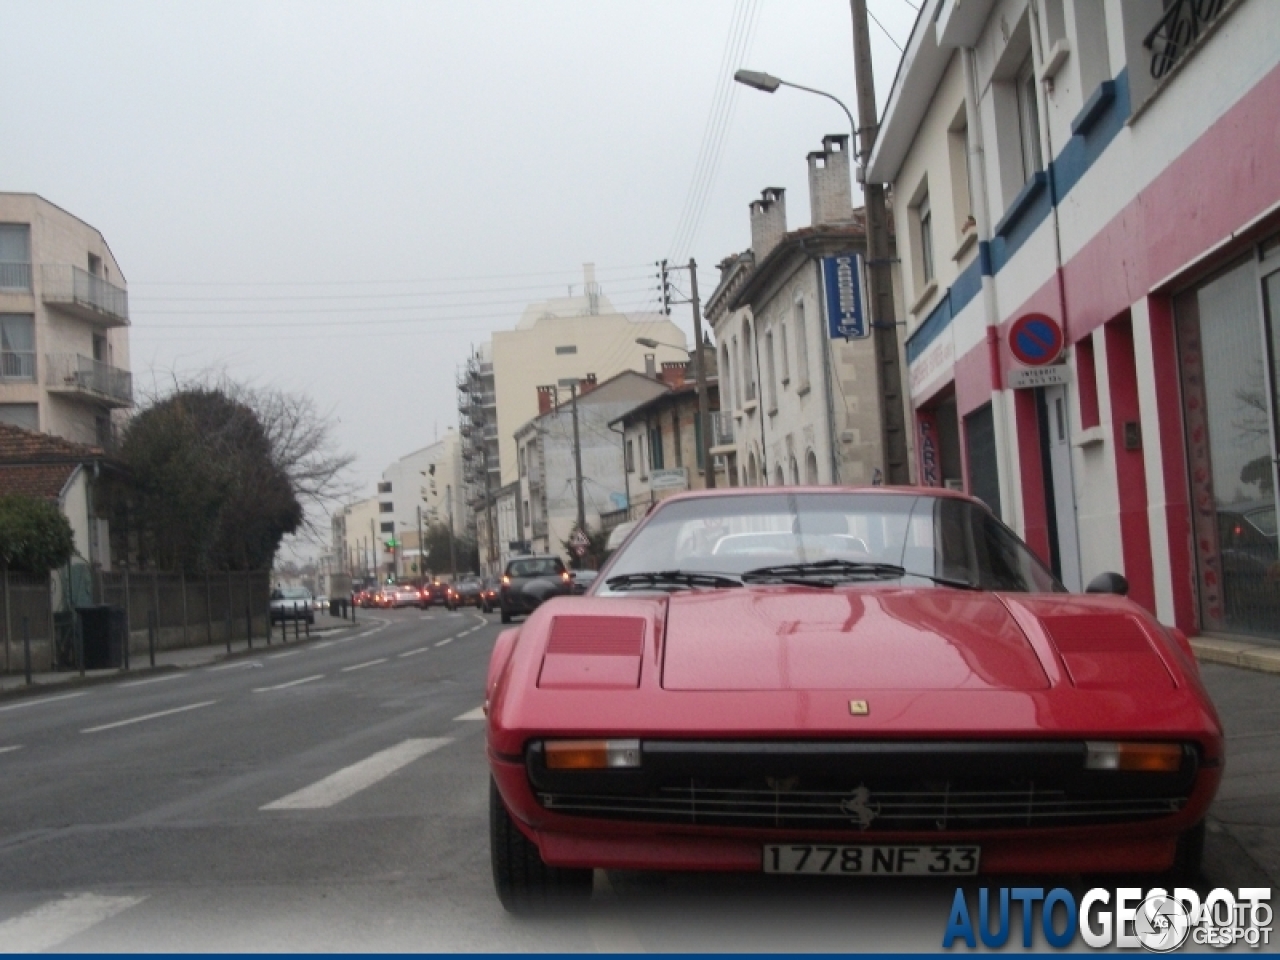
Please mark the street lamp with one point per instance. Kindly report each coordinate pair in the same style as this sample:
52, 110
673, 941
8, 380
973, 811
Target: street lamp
572, 384
654, 344
769, 84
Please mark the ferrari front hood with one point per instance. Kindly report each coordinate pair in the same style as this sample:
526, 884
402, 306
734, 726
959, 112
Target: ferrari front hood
845, 639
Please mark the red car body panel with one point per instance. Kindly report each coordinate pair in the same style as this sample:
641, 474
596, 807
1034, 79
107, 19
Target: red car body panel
782, 663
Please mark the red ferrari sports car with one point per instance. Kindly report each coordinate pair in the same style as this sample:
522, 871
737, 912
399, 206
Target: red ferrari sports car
847, 682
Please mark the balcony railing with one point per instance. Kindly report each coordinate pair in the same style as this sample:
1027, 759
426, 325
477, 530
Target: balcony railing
1177, 30
81, 293
721, 428
539, 527
17, 365
73, 373
15, 276
613, 518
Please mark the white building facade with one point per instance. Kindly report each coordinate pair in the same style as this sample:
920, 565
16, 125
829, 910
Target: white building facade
1090, 192
64, 324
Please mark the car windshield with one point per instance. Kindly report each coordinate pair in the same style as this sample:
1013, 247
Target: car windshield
843, 535
535, 567
292, 593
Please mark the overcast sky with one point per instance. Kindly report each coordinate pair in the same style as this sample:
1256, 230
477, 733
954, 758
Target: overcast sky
341, 198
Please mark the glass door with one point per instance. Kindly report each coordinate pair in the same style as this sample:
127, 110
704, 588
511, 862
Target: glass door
1228, 343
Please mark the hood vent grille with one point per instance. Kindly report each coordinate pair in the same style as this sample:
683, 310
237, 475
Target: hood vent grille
597, 636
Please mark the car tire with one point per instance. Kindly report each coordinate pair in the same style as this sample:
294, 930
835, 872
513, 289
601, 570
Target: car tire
523, 881
1187, 862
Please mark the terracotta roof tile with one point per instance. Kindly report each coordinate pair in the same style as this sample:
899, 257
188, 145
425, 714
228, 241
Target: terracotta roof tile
24, 446
44, 481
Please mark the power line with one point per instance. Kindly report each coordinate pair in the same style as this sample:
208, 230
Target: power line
346, 283
885, 31
368, 296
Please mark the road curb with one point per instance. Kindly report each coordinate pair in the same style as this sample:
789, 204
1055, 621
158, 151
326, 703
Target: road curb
1237, 653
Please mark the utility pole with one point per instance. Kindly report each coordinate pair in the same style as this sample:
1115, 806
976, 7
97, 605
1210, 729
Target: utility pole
699, 362
373, 542
422, 554
577, 452
893, 428
700, 372
453, 553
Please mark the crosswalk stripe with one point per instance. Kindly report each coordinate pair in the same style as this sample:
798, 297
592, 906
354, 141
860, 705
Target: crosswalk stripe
291, 683
351, 780
50, 924
149, 716
361, 666
476, 714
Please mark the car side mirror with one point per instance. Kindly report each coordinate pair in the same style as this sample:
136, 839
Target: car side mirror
1108, 582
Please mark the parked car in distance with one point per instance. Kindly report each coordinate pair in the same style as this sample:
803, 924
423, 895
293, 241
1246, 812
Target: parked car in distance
528, 581
465, 593
291, 603
489, 587
404, 595
582, 580
320, 603
432, 593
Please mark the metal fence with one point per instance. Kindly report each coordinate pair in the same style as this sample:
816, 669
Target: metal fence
183, 611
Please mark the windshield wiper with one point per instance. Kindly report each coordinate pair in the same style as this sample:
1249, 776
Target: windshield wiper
827, 573
824, 573
672, 580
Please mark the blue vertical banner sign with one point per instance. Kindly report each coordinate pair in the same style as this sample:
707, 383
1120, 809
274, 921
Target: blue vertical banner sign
846, 297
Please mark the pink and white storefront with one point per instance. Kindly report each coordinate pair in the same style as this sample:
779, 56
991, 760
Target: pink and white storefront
1124, 175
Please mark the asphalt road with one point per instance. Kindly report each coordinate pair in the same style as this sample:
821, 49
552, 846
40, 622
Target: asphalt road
333, 796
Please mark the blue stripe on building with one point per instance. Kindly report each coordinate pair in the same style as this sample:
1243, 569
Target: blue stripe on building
1102, 117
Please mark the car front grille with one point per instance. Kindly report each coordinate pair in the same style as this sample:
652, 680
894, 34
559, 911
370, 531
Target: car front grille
865, 788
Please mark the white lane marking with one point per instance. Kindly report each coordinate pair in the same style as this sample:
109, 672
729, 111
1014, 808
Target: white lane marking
149, 716
321, 646
444, 641
410, 653
143, 683
34, 703
236, 666
281, 656
291, 683
427, 616
351, 780
50, 924
476, 714
10, 749
361, 666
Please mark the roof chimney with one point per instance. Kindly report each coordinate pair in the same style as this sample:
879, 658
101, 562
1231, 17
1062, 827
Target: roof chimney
830, 197
674, 373
650, 365
546, 399
586, 384
768, 221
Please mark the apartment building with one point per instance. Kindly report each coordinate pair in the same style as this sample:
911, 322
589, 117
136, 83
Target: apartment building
64, 325
800, 398
545, 456
564, 338
1089, 192
662, 443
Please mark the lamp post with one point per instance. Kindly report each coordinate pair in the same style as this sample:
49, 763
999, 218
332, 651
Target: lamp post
883, 324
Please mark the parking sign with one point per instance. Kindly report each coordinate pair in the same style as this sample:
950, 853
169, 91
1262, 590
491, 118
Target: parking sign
846, 297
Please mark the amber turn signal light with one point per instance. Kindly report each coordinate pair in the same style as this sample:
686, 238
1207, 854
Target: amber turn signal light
1144, 757
591, 754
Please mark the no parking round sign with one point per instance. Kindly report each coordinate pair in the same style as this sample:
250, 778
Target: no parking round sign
1035, 340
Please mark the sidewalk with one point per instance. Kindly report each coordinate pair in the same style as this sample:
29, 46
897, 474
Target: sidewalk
184, 658
1250, 654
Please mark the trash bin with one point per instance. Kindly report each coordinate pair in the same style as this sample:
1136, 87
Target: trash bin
335, 607
102, 630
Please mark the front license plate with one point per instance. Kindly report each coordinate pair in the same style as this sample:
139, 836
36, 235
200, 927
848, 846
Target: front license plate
896, 860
